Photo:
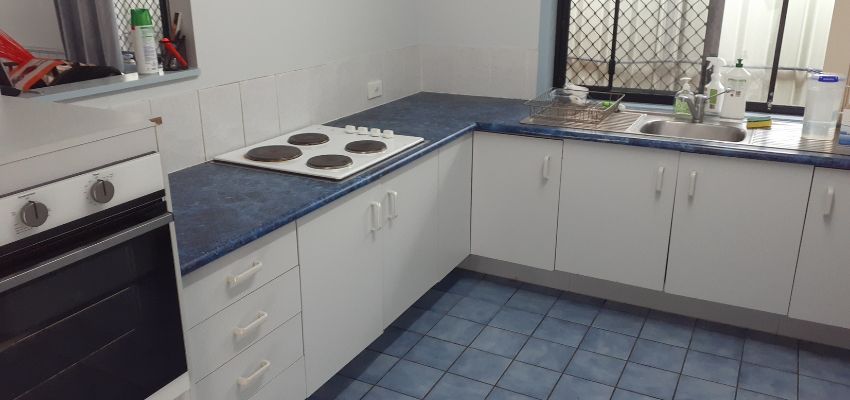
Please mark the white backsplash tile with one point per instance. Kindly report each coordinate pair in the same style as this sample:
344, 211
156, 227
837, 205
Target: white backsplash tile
510, 73
394, 65
221, 119
412, 70
296, 99
471, 71
260, 109
437, 64
139, 107
325, 87
180, 138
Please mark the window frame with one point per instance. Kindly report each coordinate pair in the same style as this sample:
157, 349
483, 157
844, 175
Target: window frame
562, 32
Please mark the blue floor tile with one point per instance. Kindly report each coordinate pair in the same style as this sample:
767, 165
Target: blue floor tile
558, 331
474, 310
410, 378
711, 368
621, 394
494, 292
546, 354
481, 366
417, 320
671, 329
499, 341
529, 380
435, 353
718, 339
576, 308
698, 389
437, 301
748, 395
824, 362
369, 366
341, 388
770, 381
608, 343
519, 321
502, 394
619, 321
453, 387
379, 393
771, 351
574, 388
395, 342
649, 381
596, 367
532, 300
816, 389
459, 281
658, 355
456, 330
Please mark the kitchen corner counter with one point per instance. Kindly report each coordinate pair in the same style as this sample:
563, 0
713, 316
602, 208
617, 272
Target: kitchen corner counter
219, 207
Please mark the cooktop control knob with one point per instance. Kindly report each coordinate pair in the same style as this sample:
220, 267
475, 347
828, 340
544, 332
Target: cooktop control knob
33, 214
102, 191
375, 132
350, 129
388, 134
363, 130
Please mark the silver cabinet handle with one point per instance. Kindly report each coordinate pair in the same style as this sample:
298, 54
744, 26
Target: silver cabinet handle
546, 160
659, 180
237, 279
377, 224
692, 187
830, 201
245, 381
392, 198
241, 331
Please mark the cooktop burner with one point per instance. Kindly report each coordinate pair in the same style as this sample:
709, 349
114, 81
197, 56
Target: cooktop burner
273, 153
329, 161
366, 147
308, 139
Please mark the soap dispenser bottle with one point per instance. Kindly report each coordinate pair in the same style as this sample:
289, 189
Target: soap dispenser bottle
737, 82
714, 88
680, 106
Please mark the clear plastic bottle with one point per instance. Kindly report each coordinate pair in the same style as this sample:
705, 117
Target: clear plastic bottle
824, 93
680, 107
714, 88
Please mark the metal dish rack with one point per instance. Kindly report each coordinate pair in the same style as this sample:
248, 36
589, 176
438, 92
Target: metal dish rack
559, 106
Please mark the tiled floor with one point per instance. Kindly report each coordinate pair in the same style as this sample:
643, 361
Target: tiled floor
475, 336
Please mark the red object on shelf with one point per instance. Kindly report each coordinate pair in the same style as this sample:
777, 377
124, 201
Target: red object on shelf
169, 47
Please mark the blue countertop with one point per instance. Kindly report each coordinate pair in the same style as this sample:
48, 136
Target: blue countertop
219, 208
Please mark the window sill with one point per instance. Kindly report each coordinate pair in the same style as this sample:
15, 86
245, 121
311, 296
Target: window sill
109, 85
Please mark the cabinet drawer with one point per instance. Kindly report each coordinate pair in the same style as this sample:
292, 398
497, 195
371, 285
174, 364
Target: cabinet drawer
244, 376
219, 338
287, 386
213, 287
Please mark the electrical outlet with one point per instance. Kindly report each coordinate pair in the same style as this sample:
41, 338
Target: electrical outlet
374, 89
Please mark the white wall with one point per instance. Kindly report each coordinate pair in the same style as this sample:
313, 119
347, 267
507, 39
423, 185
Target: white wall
273, 66
33, 24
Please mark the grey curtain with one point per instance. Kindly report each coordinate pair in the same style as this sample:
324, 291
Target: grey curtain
89, 32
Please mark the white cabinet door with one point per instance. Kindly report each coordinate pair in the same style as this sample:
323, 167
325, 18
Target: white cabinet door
340, 256
616, 207
455, 195
515, 187
736, 231
410, 263
822, 284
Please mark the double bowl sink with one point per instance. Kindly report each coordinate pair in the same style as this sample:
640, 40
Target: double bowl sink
666, 126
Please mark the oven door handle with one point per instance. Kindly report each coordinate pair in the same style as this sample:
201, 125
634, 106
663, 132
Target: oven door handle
80, 253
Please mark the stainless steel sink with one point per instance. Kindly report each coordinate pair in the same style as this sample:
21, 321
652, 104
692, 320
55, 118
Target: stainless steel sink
733, 133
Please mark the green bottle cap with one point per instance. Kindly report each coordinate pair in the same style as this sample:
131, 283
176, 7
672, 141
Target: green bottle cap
140, 17
740, 63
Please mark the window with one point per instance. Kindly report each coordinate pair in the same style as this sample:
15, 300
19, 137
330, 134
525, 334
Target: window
643, 47
122, 17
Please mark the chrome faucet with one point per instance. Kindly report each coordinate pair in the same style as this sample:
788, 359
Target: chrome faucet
697, 105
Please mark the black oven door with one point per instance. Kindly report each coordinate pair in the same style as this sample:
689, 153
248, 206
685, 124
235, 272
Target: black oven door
91, 311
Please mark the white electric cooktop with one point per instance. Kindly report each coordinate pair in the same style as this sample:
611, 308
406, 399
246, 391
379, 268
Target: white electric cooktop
323, 151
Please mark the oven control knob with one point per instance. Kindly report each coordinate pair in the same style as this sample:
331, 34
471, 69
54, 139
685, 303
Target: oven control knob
102, 191
34, 214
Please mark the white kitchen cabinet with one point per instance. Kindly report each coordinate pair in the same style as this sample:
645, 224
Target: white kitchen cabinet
822, 284
736, 230
615, 213
515, 188
340, 255
411, 262
455, 196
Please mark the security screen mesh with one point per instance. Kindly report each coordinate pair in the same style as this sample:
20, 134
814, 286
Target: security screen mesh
122, 15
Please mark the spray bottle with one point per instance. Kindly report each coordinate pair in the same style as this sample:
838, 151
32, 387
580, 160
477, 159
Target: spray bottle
715, 87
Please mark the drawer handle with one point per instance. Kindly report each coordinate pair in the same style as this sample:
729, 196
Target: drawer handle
692, 187
376, 216
546, 163
245, 381
393, 206
244, 330
237, 279
659, 180
830, 201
